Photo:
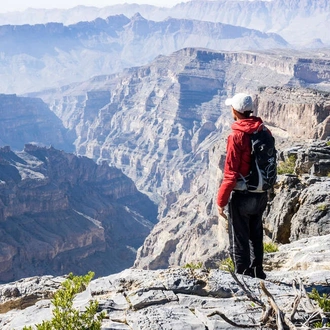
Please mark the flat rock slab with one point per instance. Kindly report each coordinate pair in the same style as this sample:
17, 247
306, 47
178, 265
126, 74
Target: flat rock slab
170, 299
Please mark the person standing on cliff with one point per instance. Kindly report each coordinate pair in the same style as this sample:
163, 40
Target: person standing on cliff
245, 208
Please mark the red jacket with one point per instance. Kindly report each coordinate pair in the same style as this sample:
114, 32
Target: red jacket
238, 156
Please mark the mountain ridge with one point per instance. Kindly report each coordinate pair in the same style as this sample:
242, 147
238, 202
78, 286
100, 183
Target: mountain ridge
80, 51
294, 21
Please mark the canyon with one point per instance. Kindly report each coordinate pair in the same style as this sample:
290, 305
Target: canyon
156, 122
63, 213
165, 124
111, 161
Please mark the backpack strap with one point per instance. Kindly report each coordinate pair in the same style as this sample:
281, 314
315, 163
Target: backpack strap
261, 127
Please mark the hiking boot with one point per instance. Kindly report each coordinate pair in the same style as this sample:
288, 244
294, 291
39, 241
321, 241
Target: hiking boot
247, 272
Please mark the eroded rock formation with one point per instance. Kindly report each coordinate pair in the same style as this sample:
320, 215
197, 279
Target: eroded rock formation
160, 123
303, 113
156, 122
28, 120
300, 207
61, 213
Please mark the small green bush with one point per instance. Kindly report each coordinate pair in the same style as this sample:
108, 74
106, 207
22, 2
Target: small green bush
287, 167
318, 324
227, 265
323, 302
199, 265
64, 315
323, 207
270, 247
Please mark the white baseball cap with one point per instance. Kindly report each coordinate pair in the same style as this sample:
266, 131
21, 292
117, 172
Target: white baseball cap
241, 102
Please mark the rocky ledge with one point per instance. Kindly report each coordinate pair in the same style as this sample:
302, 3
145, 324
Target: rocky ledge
179, 298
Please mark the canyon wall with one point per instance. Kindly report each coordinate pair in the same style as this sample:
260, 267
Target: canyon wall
165, 126
29, 120
156, 122
60, 213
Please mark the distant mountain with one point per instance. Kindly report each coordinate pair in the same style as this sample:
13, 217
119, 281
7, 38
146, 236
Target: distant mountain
297, 21
50, 55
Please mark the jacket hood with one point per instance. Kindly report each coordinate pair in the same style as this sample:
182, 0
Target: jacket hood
248, 125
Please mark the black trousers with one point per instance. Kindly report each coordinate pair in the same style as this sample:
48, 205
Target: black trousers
246, 230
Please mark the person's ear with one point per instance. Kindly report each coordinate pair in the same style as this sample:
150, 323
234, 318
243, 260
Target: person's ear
234, 112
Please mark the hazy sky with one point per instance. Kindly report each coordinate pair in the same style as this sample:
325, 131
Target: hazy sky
13, 5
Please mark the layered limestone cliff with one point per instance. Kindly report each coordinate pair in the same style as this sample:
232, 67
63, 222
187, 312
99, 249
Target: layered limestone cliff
156, 122
61, 213
160, 123
303, 113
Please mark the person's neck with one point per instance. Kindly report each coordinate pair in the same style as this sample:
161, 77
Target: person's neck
240, 116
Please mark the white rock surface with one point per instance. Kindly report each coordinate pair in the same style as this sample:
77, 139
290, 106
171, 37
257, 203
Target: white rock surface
172, 299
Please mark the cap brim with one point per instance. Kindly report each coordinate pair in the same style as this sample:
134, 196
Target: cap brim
229, 101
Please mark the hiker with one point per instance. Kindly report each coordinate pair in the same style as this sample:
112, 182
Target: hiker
245, 208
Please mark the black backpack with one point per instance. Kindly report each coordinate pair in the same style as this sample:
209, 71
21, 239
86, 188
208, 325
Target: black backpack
263, 171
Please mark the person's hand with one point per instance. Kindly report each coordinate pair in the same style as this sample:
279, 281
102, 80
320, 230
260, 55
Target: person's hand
222, 213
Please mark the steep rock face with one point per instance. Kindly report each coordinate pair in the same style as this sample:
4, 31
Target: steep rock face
301, 206
29, 120
191, 231
152, 121
159, 123
83, 50
61, 213
303, 113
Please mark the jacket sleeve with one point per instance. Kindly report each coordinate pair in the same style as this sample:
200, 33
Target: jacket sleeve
231, 169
